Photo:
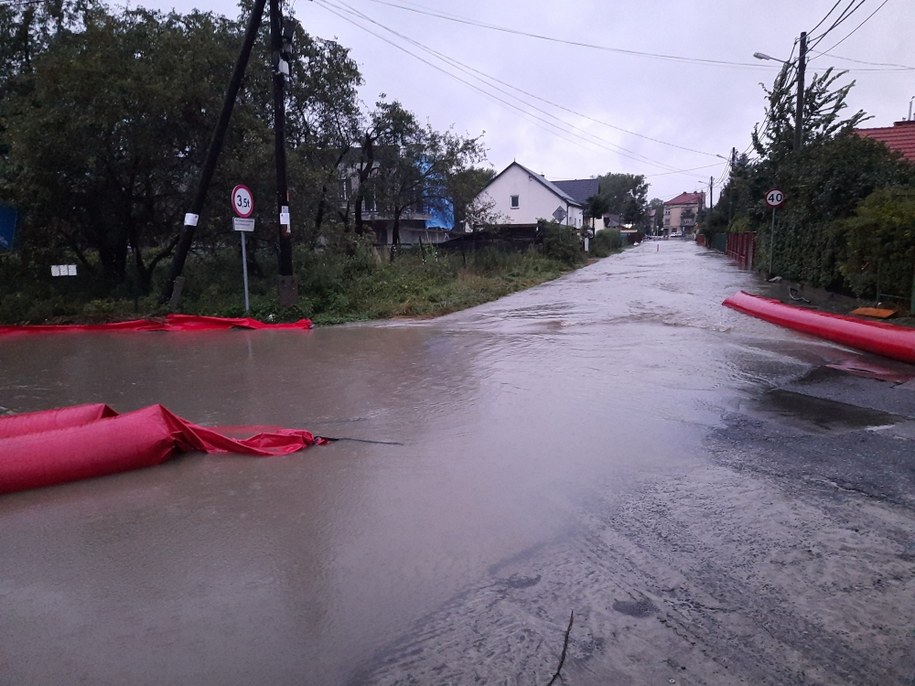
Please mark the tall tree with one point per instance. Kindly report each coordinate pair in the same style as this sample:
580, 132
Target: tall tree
824, 103
625, 195
416, 165
106, 137
464, 187
106, 141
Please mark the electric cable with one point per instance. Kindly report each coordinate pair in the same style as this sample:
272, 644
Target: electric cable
880, 7
539, 36
588, 137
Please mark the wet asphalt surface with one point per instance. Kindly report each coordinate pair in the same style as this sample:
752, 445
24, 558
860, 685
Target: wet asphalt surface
611, 473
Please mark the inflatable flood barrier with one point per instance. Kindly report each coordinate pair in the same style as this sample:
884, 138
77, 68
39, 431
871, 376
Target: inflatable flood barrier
55, 446
884, 339
171, 322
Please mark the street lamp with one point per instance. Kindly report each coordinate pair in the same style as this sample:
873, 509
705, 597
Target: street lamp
801, 67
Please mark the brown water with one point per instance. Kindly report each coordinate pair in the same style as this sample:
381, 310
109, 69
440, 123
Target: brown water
505, 422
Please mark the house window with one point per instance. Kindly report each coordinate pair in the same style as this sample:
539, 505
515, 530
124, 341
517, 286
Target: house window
515, 202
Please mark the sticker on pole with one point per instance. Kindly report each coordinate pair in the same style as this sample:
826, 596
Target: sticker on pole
242, 201
775, 198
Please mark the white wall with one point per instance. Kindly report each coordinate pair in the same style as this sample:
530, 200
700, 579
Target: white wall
535, 201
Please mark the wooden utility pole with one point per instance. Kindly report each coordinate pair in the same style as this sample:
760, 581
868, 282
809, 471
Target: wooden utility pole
280, 41
799, 115
279, 44
172, 291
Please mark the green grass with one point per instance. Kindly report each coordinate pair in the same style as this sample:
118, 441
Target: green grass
333, 288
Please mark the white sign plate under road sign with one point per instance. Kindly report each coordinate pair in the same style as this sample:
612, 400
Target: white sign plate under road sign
775, 198
242, 201
242, 224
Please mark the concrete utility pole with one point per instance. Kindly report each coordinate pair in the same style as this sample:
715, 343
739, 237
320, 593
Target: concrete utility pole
799, 115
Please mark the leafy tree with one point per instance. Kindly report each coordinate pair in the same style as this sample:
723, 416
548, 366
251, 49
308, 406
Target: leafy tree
464, 187
625, 195
107, 140
416, 164
823, 182
657, 205
822, 120
104, 139
880, 243
323, 120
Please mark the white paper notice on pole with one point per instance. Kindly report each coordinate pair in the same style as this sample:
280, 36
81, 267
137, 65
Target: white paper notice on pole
191, 219
242, 224
284, 219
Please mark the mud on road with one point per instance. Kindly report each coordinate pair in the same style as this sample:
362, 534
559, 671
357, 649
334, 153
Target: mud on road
787, 558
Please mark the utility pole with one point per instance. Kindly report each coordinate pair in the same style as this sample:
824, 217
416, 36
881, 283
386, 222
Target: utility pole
799, 115
279, 45
172, 292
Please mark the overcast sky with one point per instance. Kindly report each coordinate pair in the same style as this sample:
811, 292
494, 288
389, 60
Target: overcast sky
579, 88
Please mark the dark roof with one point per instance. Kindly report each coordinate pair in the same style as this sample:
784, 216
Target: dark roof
687, 199
900, 136
580, 189
542, 179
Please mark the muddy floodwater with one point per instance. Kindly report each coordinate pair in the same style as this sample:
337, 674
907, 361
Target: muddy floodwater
614, 444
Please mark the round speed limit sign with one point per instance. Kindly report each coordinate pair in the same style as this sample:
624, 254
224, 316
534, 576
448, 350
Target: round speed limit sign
775, 198
242, 201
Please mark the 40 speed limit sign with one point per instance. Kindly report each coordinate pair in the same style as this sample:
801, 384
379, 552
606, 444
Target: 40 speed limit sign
242, 201
775, 198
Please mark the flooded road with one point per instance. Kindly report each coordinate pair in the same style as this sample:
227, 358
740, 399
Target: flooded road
614, 444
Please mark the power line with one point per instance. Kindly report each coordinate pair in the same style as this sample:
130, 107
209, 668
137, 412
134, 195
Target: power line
819, 23
555, 130
550, 102
895, 66
584, 135
552, 39
880, 7
846, 14
680, 171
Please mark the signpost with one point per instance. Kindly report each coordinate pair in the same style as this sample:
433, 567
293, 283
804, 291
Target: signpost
774, 199
243, 206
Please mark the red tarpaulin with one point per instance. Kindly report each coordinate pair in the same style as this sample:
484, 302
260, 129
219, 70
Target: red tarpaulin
897, 342
170, 322
54, 446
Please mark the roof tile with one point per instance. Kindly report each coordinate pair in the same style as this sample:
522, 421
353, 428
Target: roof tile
900, 137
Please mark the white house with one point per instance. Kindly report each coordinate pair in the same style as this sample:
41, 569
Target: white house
520, 197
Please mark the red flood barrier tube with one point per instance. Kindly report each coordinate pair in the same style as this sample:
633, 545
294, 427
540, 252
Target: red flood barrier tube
55, 446
884, 339
171, 322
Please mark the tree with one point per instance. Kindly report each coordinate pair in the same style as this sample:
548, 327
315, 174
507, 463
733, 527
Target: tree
822, 120
657, 205
880, 243
416, 165
625, 195
464, 188
107, 139
823, 181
